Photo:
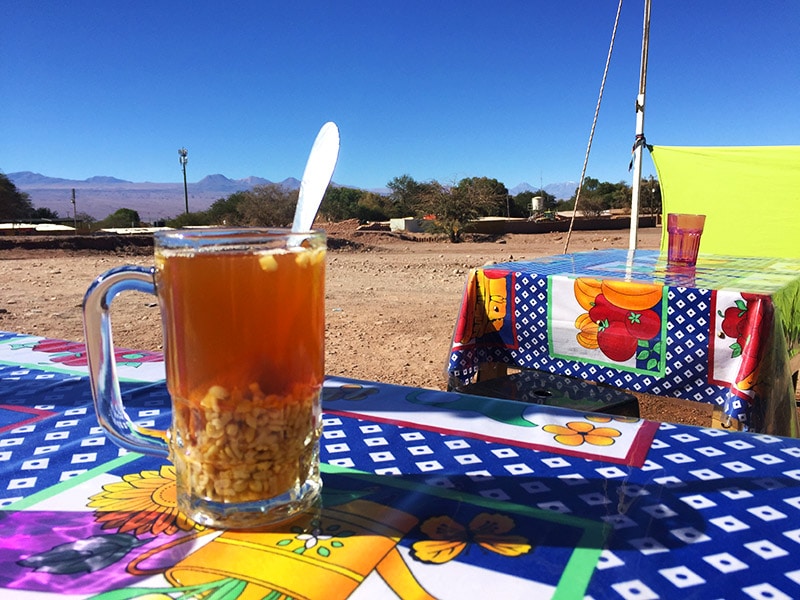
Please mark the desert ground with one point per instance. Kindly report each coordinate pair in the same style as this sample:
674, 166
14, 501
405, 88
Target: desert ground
391, 299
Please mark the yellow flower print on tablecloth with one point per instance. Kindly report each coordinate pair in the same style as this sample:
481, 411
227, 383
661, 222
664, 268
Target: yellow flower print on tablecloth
577, 433
142, 502
608, 418
450, 538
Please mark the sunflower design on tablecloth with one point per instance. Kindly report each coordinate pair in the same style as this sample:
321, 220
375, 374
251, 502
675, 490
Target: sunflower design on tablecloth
140, 508
341, 545
142, 502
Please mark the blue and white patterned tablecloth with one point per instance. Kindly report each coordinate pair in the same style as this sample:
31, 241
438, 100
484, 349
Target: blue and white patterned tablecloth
526, 314
487, 495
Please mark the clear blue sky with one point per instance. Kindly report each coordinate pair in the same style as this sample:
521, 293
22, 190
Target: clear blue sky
437, 89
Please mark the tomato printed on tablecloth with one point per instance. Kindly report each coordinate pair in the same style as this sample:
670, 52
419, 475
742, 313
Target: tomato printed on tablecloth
608, 322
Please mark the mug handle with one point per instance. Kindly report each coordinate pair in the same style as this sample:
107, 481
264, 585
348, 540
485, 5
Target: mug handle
111, 413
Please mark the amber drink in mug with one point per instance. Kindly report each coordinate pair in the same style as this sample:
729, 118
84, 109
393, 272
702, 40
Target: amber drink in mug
243, 322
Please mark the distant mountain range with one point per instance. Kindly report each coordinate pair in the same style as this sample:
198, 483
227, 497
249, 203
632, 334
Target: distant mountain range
100, 196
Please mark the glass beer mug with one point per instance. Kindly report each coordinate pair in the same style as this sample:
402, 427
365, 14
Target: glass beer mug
243, 321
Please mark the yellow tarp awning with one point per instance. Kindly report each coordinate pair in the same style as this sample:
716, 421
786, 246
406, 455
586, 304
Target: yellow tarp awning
749, 194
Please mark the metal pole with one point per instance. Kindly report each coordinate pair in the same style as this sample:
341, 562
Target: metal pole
74, 211
182, 154
185, 190
639, 143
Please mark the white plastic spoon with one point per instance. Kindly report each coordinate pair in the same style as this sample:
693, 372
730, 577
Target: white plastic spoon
317, 176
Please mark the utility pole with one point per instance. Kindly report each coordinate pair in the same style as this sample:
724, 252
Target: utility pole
74, 211
182, 156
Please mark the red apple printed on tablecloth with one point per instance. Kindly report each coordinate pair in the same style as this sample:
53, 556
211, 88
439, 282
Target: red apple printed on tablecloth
620, 317
734, 323
744, 322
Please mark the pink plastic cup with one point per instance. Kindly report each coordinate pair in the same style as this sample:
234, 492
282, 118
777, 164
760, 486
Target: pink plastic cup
684, 238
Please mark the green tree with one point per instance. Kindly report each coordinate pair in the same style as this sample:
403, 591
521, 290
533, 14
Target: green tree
406, 194
565, 205
620, 195
521, 204
453, 207
341, 203
591, 202
650, 196
268, 205
489, 196
124, 217
14, 205
373, 207
192, 219
44, 213
592, 205
597, 197
225, 211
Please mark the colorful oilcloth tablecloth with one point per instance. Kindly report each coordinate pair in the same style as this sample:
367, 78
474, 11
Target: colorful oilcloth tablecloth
427, 494
722, 332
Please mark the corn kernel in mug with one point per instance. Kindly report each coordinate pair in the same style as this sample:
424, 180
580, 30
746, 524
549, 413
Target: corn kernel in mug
268, 262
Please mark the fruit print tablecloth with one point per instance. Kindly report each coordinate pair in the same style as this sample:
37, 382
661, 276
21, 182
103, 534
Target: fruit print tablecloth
722, 332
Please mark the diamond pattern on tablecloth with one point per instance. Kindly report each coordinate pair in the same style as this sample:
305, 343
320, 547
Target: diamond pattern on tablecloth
766, 549
682, 577
71, 428
725, 562
634, 589
767, 513
620, 501
765, 591
595, 499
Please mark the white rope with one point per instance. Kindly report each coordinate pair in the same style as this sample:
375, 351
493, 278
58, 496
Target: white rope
594, 124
